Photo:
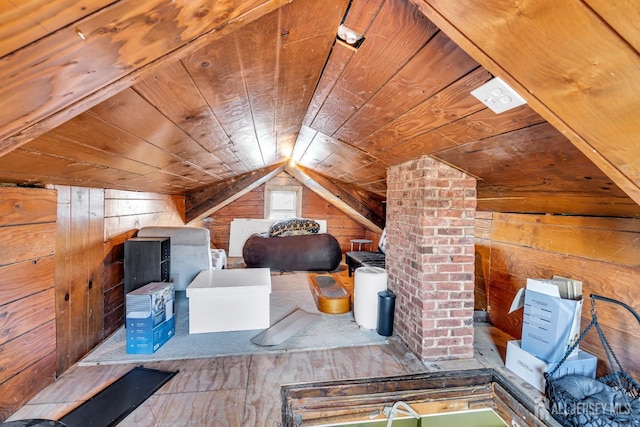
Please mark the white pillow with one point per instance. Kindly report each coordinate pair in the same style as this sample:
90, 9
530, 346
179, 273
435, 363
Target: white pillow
382, 244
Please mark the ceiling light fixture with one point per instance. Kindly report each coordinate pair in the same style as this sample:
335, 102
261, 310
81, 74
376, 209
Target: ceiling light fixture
498, 96
349, 36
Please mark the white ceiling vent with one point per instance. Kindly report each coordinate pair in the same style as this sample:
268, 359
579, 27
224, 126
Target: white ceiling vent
498, 96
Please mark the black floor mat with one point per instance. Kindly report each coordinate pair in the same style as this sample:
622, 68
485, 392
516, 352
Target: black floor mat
119, 399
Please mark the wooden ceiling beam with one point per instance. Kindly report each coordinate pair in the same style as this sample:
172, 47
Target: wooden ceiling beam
201, 203
570, 81
558, 204
360, 205
73, 69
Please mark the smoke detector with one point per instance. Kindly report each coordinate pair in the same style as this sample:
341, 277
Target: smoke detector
498, 96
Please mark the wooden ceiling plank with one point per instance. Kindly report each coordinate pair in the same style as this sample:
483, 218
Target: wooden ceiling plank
286, 143
44, 93
203, 202
363, 207
409, 149
41, 181
303, 55
379, 188
258, 50
218, 72
561, 204
623, 17
369, 173
6, 7
565, 204
338, 59
50, 167
307, 19
586, 87
305, 137
521, 160
343, 167
111, 149
300, 67
30, 20
343, 160
482, 124
48, 144
172, 92
133, 114
90, 130
210, 165
485, 123
359, 18
161, 182
451, 103
398, 32
319, 149
336, 108
188, 171
422, 77
361, 14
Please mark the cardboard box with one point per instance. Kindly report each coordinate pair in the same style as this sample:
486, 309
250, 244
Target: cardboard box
149, 320
532, 369
551, 323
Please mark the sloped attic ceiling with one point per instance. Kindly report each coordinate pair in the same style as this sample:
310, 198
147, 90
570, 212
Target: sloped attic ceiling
363, 207
179, 96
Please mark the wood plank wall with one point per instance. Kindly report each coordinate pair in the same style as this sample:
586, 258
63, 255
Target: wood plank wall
251, 205
79, 293
339, 224
125, 212
61, 276
27, 296
602, 252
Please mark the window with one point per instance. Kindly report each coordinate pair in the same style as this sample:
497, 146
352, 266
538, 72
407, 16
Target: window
283, 202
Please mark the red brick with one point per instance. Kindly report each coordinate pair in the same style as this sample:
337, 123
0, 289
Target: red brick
465, 331
462, 313
463, 352
449, 342
450, 305
450, 268
436, 314
434, 353
453, 289
449, 323
431, 211
436, 333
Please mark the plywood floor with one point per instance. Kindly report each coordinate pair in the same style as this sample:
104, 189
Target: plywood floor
238, 391
245, 390
226, 391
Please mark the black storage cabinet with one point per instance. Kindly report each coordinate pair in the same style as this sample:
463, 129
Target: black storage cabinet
146, 260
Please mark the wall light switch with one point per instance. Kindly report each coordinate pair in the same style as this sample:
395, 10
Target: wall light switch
498, 96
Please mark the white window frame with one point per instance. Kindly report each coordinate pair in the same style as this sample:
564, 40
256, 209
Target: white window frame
289, 188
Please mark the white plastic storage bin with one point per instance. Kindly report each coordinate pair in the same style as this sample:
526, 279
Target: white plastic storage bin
367, 282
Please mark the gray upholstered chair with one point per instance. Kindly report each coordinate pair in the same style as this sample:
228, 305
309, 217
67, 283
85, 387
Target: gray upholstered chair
190, 251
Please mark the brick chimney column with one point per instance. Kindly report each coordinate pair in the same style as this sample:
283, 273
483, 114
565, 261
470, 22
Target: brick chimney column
430, 257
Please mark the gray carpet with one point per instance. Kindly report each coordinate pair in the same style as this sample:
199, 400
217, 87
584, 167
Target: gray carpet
289, 292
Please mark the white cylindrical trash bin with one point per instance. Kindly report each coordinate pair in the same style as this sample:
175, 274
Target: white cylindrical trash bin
367, 282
